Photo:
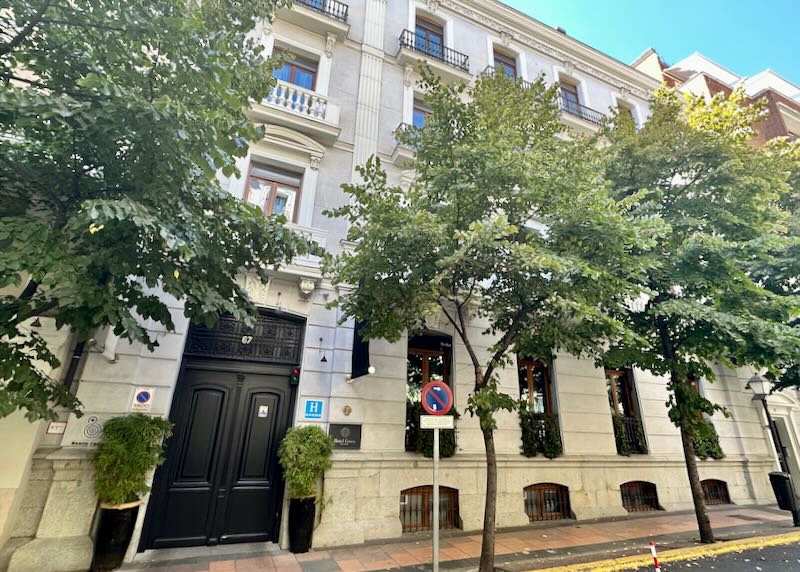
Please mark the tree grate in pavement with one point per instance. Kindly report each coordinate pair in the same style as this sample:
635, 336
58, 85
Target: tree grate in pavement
743, 517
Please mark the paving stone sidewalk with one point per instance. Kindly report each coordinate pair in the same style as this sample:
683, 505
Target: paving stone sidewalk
519, 549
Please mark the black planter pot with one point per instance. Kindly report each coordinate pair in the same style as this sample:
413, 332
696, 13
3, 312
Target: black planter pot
301, 524
114, 533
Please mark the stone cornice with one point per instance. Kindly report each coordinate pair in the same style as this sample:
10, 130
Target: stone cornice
509, 23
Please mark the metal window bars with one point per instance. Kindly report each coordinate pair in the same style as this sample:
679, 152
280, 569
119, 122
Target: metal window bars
639, 496
416, 508
715, 492
547, 501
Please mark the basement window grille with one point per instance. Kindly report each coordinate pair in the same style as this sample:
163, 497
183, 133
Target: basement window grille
639, 496
547, 501
416, 508
715, 491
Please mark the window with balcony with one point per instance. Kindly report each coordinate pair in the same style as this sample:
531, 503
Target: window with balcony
420, 113
570, 101
538, 420
429, 37
505, 63
273, 190
296, 70
428, 359
628, 430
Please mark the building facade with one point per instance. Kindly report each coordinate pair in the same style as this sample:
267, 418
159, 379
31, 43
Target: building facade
701, 76
349, 81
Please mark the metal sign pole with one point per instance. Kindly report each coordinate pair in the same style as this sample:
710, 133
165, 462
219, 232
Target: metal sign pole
436, 500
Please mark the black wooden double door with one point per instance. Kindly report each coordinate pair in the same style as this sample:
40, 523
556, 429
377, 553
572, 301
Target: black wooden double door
221, 482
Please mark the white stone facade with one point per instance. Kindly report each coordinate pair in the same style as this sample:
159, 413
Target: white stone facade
363, 92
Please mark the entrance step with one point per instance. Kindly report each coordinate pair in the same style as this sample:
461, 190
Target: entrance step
170, 556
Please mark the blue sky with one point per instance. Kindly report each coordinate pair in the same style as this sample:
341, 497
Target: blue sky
744, 36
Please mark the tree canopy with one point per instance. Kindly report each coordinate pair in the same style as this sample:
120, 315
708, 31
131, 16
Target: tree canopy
723, 203
505, 224
115, 118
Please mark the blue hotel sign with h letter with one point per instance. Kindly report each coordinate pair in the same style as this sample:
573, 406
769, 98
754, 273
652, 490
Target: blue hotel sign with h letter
313, 409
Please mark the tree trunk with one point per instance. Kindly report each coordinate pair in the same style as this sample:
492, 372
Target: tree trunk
700, 511
490, 506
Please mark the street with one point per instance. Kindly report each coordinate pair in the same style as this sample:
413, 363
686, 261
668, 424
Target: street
770, 559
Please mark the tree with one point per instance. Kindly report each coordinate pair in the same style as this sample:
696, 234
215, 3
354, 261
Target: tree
115, 118
692, 167
506, 230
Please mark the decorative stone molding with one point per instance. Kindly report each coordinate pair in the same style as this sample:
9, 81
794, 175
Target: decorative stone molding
408, 71
256, 289
505, 37
330, 40
459, 8
314, 162
433, 5
306, 287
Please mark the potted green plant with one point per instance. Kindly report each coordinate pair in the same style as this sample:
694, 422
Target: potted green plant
304, 455
131, 447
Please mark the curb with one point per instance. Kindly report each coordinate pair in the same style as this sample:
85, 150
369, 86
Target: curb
676, 555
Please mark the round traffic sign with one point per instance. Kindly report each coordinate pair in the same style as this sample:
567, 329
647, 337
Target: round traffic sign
437, 399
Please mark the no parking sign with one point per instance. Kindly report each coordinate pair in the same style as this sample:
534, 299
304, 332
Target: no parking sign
142, 399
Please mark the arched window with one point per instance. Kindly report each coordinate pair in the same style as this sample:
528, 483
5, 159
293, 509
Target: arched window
639, 496
416, 508
715, 491
547, 501
428, 359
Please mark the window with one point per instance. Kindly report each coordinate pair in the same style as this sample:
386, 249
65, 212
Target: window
547, 501
296, 70
420, 114
569, 98
505, 63
428, 360
639, 496
715, 492
620, 392
626, 112
416, 508
273, 190
535, 385
429, 37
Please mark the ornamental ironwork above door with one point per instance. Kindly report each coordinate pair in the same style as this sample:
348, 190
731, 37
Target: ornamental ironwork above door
271, 340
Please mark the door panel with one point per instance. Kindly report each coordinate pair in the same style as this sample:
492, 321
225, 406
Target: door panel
221, 481
256, 469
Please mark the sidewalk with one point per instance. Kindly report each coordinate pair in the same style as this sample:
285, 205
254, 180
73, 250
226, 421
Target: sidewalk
530, 548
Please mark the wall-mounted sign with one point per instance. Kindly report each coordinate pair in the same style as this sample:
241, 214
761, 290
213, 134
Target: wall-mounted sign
142, 399
56, 428
313, 409
263, 410
345, 436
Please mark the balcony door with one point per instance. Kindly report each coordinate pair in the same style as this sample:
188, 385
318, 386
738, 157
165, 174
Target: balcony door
429, 37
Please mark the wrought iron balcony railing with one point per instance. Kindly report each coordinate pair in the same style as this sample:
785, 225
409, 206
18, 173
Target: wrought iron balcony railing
629, 434
331, 8
489, 70
435, 50
578, 110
